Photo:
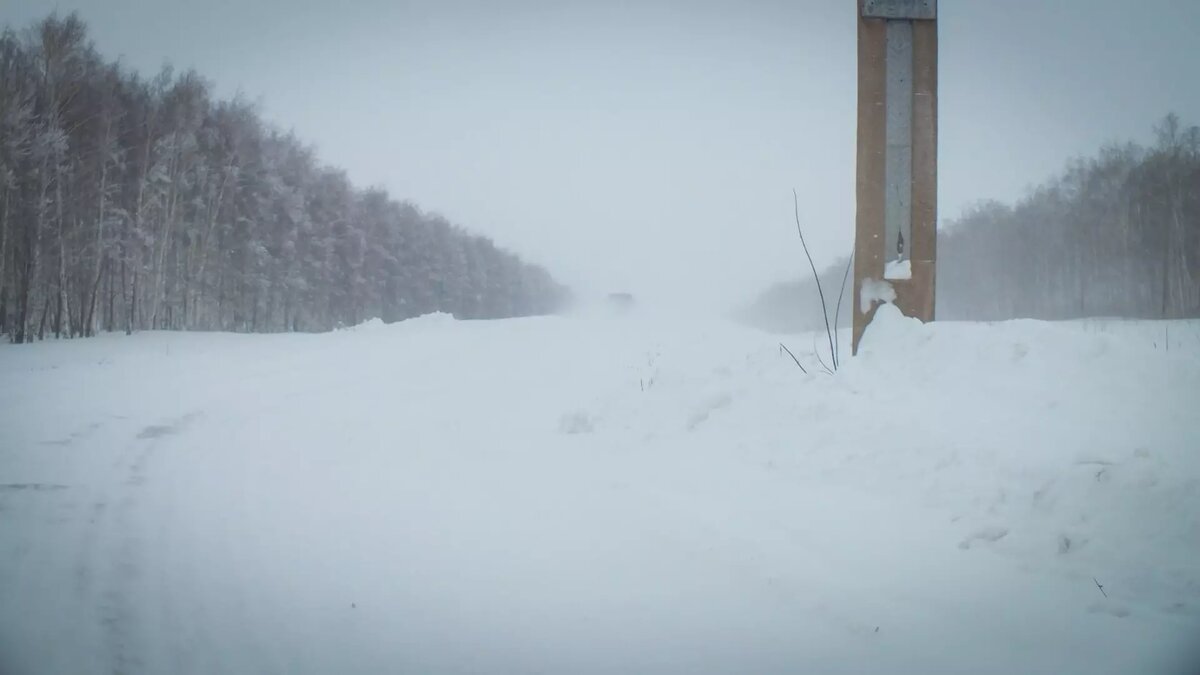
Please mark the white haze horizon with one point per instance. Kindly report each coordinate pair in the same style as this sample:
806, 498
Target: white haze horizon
653, 148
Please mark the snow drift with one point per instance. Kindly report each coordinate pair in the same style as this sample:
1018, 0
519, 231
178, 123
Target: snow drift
602, 494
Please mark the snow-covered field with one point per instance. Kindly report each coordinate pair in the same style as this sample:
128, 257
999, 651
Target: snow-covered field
603, 494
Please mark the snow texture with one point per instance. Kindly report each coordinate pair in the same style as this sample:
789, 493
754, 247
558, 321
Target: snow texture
602, 495
873, 291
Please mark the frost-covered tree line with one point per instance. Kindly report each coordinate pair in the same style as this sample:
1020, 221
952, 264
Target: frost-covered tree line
1117, 234
133, 203
1114, 235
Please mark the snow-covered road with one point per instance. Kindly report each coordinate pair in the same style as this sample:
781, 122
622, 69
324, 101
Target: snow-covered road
601, 494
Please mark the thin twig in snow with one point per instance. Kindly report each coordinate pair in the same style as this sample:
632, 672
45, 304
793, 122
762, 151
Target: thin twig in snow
816, 277
818, 353
838, 312
784, 348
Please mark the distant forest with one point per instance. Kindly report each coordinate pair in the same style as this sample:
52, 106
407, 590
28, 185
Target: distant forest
1116, 235
132, 203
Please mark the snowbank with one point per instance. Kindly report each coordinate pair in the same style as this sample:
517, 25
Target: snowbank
599, 494
431, 319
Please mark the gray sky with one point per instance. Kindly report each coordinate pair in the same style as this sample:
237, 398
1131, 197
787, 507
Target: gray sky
653, 146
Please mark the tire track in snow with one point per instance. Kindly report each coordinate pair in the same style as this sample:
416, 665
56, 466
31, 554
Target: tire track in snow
54, 526
121, 544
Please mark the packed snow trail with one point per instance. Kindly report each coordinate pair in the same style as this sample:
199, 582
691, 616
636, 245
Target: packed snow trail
601, 495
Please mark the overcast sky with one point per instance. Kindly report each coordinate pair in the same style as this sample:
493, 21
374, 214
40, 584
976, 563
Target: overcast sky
653, 146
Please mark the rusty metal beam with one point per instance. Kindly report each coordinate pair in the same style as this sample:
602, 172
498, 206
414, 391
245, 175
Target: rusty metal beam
897, 155
898, 145
868, 241
900, 9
